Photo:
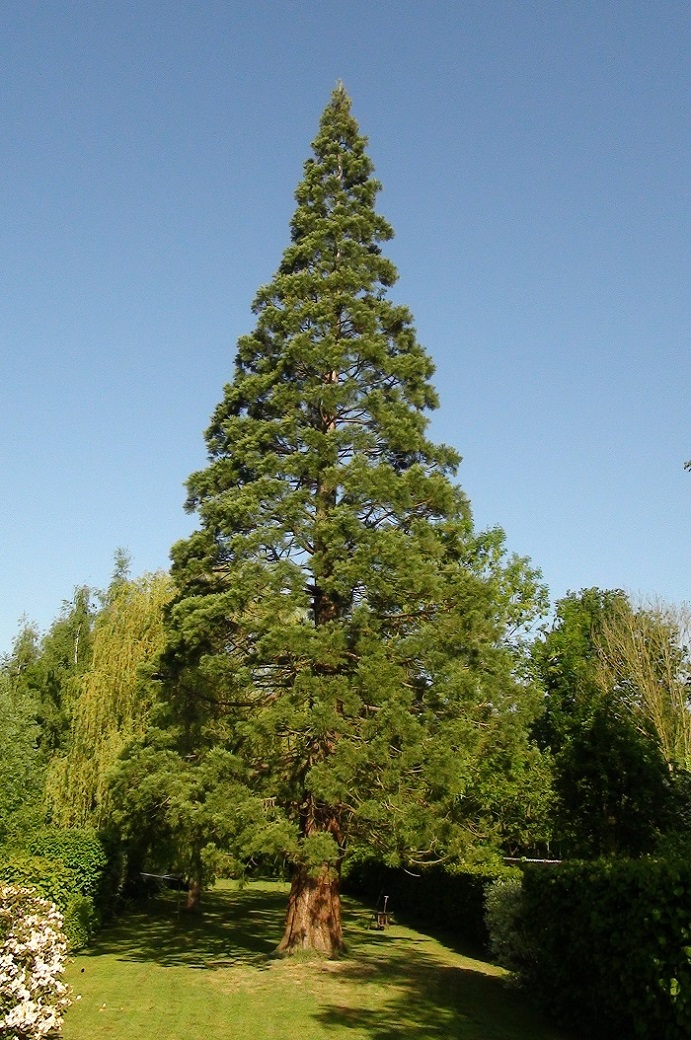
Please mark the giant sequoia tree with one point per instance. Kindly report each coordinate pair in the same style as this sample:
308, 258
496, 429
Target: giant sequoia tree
340, 627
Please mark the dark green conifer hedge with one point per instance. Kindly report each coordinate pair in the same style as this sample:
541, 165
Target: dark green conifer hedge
433, 898
611, 943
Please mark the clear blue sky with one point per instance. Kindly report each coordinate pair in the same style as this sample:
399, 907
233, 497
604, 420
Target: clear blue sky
535, 160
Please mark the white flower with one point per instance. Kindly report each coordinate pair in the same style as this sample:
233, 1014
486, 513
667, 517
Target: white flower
32, 959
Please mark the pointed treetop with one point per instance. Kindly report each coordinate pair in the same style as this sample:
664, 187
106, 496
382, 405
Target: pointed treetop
339, 95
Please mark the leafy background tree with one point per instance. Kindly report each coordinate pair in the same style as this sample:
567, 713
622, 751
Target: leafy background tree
340, 627
644, 655
613, 789
112, 698
46, 668
22, 765
37, 691
71, 701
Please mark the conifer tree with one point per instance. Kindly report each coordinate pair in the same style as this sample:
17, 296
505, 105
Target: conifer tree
340, 626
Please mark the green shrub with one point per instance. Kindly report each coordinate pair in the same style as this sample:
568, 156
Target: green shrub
53, 880
80, 920
80, 850
509, 940
612, 945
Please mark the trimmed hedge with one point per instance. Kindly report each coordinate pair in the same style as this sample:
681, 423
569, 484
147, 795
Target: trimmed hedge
436, 898
612, 946
80, 850
68, 868
53, 880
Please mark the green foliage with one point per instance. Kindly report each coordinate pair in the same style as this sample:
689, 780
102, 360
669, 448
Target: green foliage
645, 655
81, 920
515, 787
182, 816
341, 628
80, 850
36, 694
509, 942
676, 841
21, 763
612, 944
67, 869
51, 878
567, 660
615, 789
112, 698
613, 792
46, 668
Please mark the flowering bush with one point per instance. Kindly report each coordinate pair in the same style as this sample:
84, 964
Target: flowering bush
33, 952
54, 880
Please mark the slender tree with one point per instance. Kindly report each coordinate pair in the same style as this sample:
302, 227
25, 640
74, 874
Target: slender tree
48, 667
340, 627
38, 680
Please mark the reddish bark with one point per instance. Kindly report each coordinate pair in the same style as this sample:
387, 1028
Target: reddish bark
313, 921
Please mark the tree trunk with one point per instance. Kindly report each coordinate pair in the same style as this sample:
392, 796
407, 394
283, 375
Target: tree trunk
313, 921
194, 896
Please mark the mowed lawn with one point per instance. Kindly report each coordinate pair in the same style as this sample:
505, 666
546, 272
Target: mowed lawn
160, 974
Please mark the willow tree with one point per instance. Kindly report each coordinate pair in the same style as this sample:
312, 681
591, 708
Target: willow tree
340, 625
645, 656
112, 699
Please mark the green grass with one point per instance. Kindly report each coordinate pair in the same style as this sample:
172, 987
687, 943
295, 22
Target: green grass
162, 975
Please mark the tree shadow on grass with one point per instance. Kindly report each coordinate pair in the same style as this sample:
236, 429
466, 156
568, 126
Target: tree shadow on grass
234, 927
423, 999
414, 987
391, 984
